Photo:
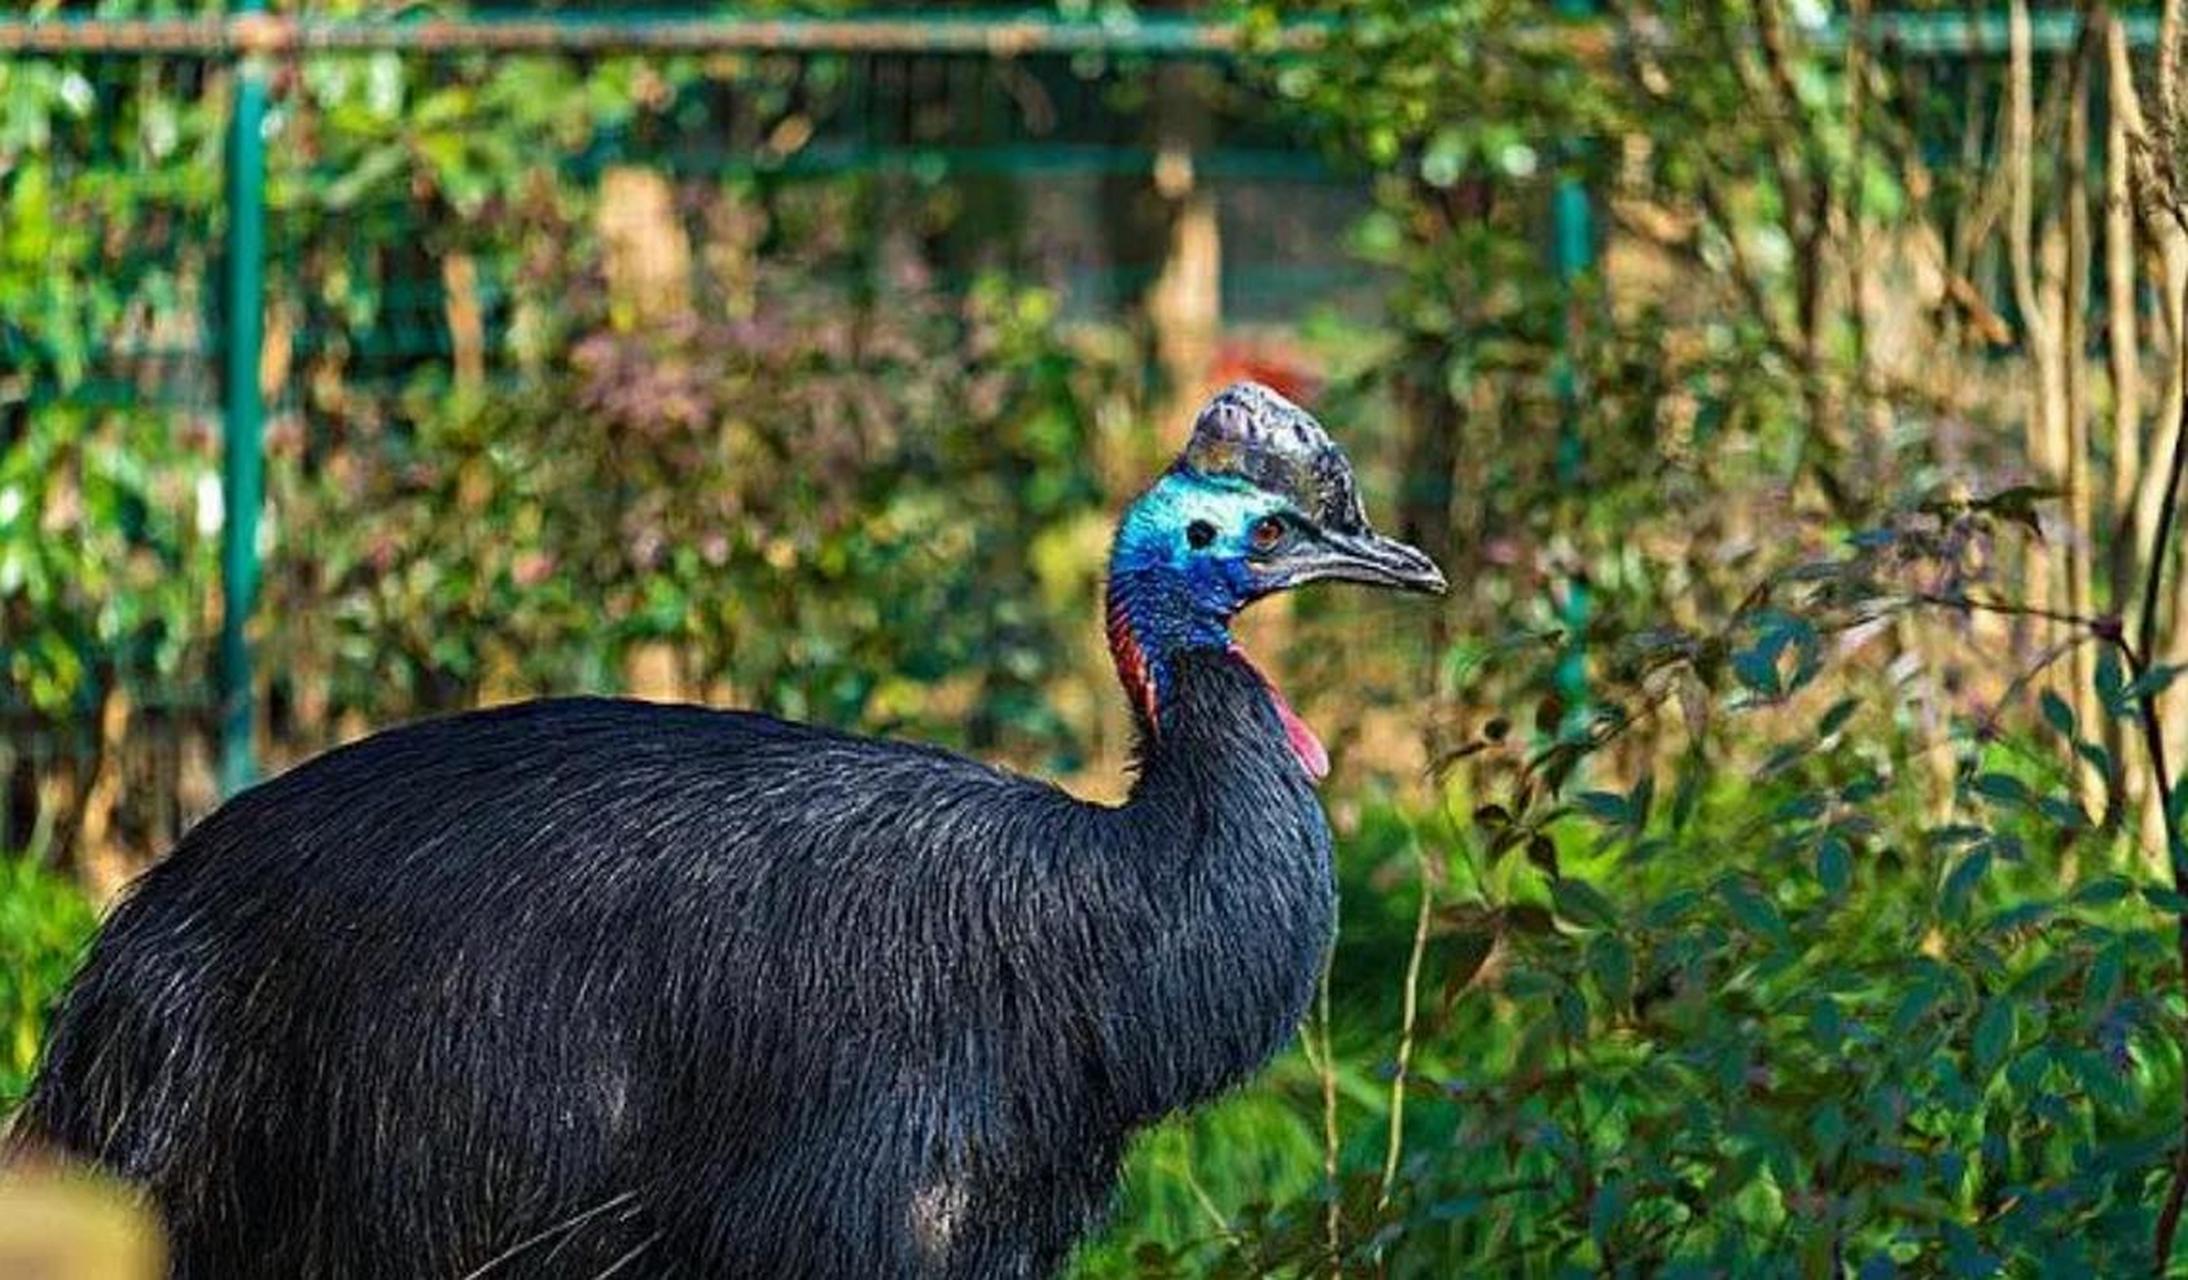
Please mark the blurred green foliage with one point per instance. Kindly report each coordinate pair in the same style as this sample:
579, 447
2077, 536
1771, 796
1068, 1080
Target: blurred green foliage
45, 923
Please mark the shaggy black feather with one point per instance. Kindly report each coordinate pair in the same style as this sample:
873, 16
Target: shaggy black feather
595, 988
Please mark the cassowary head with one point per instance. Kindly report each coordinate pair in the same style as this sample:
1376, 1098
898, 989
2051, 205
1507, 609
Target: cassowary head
1260, 501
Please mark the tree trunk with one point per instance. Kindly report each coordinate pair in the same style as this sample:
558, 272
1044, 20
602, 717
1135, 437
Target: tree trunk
2046, 394
645, 252
2081, 540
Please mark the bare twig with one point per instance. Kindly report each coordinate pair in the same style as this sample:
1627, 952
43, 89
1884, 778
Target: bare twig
2024, 678
1184, 1170
2015, 609
1396, 1143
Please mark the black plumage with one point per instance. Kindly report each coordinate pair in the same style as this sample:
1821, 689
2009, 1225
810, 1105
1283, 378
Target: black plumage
595, 987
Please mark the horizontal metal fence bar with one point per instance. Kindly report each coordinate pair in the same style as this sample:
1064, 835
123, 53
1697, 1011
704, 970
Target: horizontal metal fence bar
582, 33
1986, 34
1921, 34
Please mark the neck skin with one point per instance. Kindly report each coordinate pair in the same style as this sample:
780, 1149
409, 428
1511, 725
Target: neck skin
1149, 625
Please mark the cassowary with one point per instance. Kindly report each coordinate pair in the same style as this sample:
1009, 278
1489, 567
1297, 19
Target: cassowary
590, 987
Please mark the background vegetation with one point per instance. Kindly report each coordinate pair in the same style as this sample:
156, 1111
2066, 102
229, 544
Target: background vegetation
1761, 865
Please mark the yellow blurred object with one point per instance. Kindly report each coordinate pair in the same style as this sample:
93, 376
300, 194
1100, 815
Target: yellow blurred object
60, 1224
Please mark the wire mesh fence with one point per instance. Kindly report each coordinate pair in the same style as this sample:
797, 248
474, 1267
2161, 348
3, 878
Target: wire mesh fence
460, 210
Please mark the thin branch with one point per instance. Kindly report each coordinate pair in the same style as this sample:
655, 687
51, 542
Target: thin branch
2023, 679
1396, 1142
2153, 732
2146, 631
2153, 736
2096, 625
1184, 1170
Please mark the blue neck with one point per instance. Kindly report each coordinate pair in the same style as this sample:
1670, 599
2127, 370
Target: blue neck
1150, 622
1169, 596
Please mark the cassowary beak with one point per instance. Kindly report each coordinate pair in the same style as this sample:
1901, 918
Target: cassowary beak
1366, 556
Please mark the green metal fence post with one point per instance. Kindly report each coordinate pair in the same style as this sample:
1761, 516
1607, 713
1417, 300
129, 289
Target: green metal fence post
1573, 249
242, 476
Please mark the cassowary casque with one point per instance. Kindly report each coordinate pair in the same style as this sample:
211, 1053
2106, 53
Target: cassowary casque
604, 988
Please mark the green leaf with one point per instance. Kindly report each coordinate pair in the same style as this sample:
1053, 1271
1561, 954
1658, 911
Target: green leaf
2167, 900
2047, 973
1579, 902
2152, 682
2065, 813
2057, 713
1686, 797
1913, 1008
1542, 852
1994, 1030
1610, 963
1805, 807
1609, 1209
1834, 865
2111, 681
2104, 1082
2102, 986
2004, 788
1826, 1023
1572, 1012
1757, 668
1671, 908
1755, 912
1960, 883
1603, 806
1829, 1130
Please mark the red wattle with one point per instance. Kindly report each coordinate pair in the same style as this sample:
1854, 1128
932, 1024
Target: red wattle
1312, 755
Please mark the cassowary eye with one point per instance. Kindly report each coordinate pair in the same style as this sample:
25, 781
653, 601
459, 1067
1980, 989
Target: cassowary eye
1267, 532
1199, 534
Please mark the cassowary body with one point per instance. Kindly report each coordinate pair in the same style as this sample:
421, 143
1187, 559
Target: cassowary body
596, 987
